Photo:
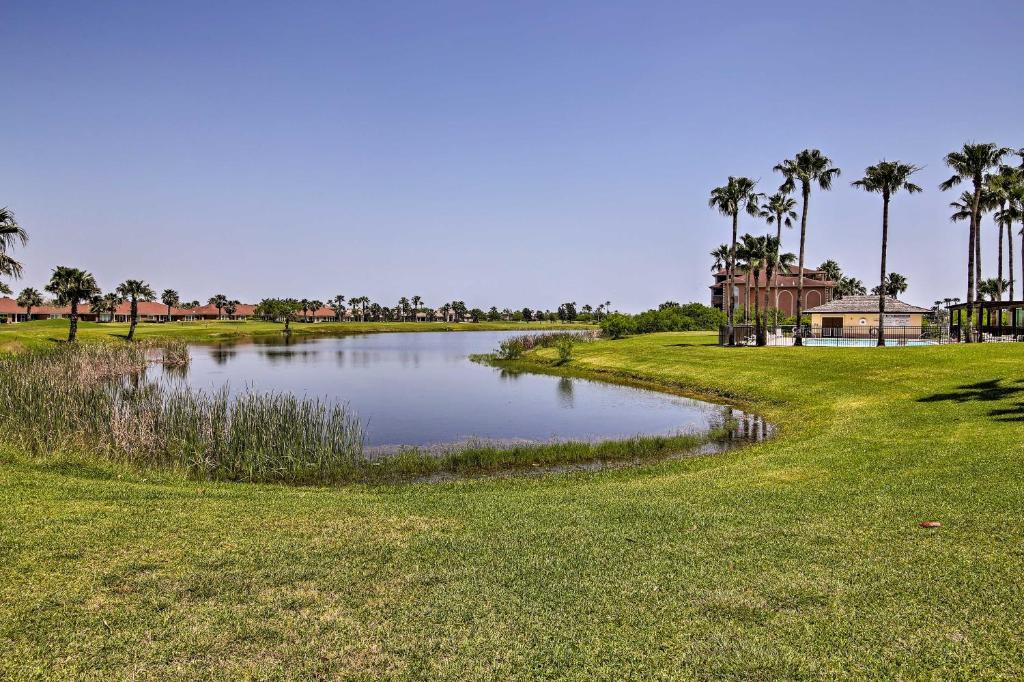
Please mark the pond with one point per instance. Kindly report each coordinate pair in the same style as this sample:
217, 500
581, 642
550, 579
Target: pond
421, 389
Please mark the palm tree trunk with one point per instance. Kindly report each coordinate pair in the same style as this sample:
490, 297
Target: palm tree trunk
881, 287
134, 320
797, 340
1009, 254
73, 326
999, 276
729, 280
759, 336
970, 262
778, 252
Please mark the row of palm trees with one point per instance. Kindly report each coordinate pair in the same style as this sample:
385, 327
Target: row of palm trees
996, 187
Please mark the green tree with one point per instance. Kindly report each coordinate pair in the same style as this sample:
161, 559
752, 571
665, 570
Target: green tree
135, 290
757, 252
218, 302
849, 286
971, 163
337, 304
779, 210
892, 285
807, 168
278, 309
780, 262
11, 233
738, 194
28, 299
1000, 191
886, 178
107, 303
992, 287
71, 286
170, 298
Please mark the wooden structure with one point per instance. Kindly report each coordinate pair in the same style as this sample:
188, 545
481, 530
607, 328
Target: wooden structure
993, 320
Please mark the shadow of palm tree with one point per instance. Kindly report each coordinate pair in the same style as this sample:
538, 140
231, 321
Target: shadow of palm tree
993, 390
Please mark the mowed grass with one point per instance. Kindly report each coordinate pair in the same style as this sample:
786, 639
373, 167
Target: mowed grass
42, 333
796, 558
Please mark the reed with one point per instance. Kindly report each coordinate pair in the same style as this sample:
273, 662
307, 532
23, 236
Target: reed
97, 399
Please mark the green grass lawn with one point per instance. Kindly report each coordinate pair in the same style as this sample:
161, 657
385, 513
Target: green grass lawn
796, 558
14, 337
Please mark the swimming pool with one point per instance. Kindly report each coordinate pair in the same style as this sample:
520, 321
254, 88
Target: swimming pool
869, 342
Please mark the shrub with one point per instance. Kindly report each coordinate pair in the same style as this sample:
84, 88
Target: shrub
564, 344
617, 325
511, 348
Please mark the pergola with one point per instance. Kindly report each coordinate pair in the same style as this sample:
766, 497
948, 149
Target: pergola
996, 318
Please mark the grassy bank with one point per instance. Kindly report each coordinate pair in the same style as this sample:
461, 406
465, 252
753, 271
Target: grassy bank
43, 333
800, 557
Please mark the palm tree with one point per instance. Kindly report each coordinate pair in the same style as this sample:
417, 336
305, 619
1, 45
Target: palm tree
972, 162
779, 211
135, 290
742, 264
417, 301
337, 304
170, 298
832, 270
403, 307
736, 195
218, 302
756, 254
807, 168
993, 288
783, 262
107, 303
995, 195
720, 257
11, 233
231, 307
849, 286
72, 286
892, 285
315, 305
28, 299
886, 178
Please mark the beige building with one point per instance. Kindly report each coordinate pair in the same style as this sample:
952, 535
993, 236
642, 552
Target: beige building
861, 312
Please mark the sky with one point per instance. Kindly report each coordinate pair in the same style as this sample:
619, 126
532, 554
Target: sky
502, 153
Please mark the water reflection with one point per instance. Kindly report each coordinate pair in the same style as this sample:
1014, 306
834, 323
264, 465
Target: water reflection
421, 389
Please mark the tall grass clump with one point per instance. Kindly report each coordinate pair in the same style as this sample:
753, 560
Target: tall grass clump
98, 399
513, 347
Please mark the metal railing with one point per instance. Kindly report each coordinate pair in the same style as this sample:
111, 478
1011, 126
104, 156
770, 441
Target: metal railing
746, 335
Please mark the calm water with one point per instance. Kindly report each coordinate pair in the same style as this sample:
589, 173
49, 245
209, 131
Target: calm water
421, 389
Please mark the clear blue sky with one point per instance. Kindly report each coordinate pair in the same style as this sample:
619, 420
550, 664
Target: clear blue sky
518, 153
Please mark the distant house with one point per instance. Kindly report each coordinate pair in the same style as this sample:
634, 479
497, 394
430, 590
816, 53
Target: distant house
243, 311
818, 289
861, 312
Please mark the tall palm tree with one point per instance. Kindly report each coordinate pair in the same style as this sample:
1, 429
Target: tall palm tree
170, 298
219, 301
971, 163
135, 290
807, 168
778, 210
892, 285
778, 263
742, 265
417, 302
28, 299
756, 255
886, 178
72, 286
738, 194
11, 233
1001, 191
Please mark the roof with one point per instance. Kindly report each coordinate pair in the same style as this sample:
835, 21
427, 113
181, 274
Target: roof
865, 304
242, 309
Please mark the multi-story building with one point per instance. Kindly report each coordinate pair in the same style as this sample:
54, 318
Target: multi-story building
818, 289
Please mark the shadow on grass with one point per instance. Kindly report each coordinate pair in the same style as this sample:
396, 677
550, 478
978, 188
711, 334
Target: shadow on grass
986, 391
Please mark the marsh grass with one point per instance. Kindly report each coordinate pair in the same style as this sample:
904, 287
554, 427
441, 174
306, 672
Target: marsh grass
98, 400
513, 347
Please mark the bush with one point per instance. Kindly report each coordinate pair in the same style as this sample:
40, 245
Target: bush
670, 317
564, 344
511, 348
617, 325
